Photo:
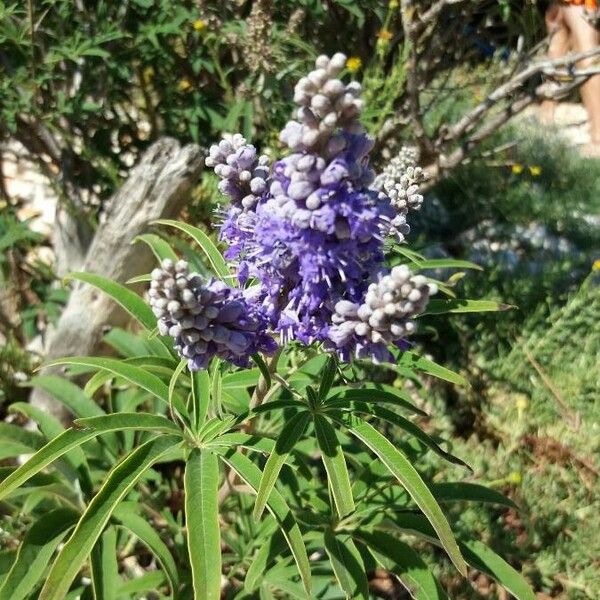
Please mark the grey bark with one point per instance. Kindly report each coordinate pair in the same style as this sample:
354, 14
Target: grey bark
157, 188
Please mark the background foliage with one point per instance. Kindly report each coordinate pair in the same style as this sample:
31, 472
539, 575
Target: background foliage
86, 87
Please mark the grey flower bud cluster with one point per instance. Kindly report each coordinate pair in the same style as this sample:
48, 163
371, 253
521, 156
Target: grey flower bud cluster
244, 175
400, 181
205, 319
387, 312
325, 104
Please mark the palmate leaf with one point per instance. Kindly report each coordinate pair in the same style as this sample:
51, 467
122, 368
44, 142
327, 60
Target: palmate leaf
215, 259
72, 438
201, 483
335, 465
35, 552
278, 507
402, 469
399, 558
119, 482
347, 564
290, 434
126, 514
477, 554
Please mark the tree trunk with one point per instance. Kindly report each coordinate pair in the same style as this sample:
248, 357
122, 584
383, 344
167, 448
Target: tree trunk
157, 188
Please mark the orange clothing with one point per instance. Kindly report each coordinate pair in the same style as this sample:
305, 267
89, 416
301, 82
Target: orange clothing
589, 4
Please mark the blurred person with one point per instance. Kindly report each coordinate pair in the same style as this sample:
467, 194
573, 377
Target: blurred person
571, 28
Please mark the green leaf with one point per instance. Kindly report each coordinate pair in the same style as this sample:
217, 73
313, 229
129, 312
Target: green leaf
200, 396
470, 492
144, 278
278, 507
29, 440
241, 379
385, 394
174, 400
477, 554
328, 375
447, 263
487, 561
420, 363
44, 456
347, 564
75, 437
49, 426
401, 468
267, 552
245, 440
119, 482
216, 260
69, 394
35, 552
150, 581
160, 248
135, 305
202, 515
52, 428
335, 465
399, 558
140, 527
414, 430
459, 305
136, 375
122, 421
156, 364
290, 434
104, 567
264, 370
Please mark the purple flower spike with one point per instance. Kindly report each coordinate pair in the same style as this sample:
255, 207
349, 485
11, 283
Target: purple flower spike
207, 319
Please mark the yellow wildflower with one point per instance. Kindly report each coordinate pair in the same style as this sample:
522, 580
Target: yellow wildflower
199, 25
353, 64
517, 169
522, 403
184, 85
384, 36
515, 477
535, 170
394, 4
148, 74
596, 265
